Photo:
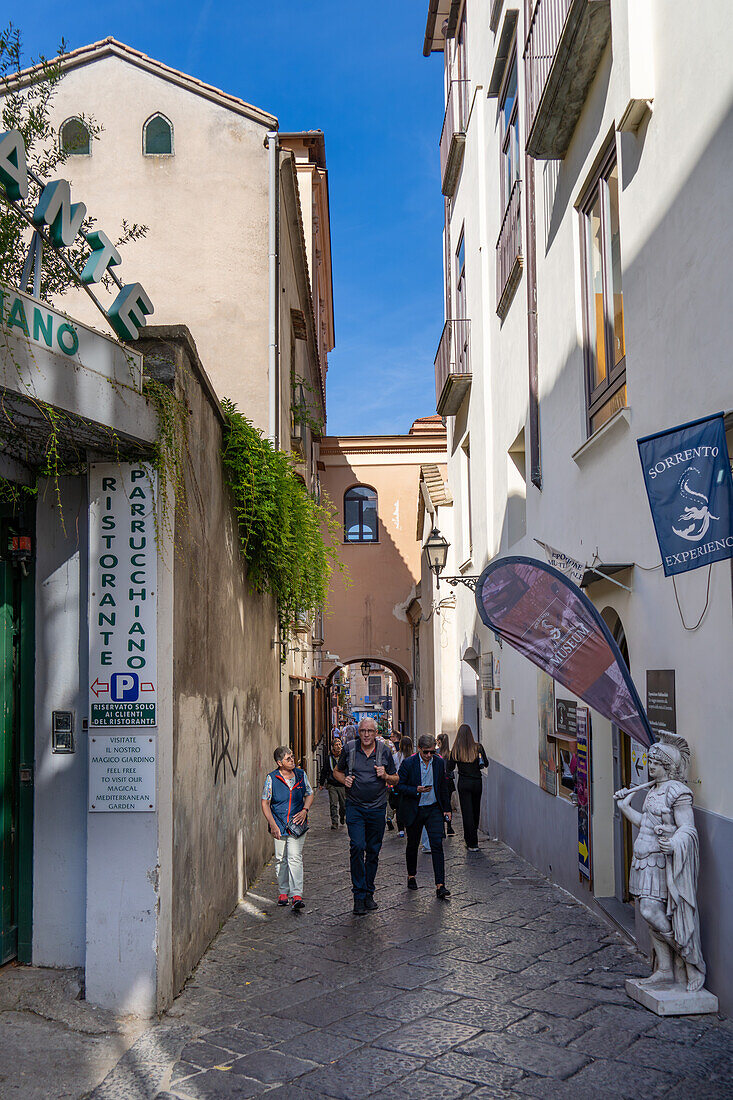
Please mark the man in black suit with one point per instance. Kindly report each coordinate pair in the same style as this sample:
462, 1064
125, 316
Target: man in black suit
425, 802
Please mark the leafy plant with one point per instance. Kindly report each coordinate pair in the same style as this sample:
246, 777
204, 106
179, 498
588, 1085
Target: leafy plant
287, 539
26, 106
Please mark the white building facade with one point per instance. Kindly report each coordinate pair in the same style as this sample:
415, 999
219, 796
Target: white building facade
587, 238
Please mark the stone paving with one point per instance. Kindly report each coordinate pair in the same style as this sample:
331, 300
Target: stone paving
510, 989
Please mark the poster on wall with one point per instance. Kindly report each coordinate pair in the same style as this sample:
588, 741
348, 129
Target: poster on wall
122, 773
582, 789
546, 727
552, 623
661, 703
566, 724
123, 564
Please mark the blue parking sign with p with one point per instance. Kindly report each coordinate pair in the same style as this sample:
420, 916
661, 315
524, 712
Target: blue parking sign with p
125, 687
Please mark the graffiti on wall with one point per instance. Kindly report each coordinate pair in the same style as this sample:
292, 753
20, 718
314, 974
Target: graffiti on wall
223, 739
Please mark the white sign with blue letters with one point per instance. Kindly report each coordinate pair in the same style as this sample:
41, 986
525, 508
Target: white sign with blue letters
122, 596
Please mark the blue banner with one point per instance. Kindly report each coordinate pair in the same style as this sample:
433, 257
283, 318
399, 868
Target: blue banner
690, 489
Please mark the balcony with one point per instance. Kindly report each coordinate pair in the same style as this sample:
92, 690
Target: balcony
565, 42
452, 367
453, 136
509, 259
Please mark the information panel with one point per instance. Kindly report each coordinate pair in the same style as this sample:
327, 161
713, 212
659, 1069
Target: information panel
122, 773
122, 595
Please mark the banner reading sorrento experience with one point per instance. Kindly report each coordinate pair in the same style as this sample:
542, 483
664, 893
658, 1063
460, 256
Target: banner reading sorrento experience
553, 623
690, 489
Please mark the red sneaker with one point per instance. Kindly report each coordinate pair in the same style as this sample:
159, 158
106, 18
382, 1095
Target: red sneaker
282, 899
298, 903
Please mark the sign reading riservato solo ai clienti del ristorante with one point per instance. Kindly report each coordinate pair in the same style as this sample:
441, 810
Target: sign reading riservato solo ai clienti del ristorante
122, 595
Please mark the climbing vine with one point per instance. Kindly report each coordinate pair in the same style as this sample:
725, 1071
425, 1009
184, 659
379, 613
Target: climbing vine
170, 454
287, 538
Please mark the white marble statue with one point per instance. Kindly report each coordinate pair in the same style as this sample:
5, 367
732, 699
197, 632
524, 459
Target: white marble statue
664, 871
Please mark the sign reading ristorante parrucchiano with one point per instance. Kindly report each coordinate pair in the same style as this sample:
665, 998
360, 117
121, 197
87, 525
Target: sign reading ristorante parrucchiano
63, 220
122, 595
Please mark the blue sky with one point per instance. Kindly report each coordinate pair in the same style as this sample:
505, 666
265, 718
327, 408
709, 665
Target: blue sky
343, 67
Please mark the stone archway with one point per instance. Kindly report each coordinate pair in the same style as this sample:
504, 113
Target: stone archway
401, 710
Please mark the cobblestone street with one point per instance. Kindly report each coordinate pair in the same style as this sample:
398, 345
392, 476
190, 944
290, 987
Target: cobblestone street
510, 989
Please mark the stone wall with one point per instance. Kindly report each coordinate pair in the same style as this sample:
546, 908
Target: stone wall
225, 680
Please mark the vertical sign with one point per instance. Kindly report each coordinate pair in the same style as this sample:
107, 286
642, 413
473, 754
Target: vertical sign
122, 595
661, 705
582, 788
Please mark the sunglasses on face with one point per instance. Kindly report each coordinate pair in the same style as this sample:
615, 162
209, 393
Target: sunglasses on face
429, 752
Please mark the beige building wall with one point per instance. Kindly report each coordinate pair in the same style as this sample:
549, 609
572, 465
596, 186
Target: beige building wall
366, 614
205, 258
203, 261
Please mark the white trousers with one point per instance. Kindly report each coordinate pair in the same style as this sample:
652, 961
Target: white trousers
289, 865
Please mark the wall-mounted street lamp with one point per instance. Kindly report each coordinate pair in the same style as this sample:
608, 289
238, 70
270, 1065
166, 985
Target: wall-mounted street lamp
366, 668
436, 551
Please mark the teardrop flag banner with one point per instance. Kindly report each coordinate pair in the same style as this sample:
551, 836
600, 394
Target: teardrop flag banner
540, 612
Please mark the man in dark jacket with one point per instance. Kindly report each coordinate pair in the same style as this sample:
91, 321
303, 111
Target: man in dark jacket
336, 792
423, 789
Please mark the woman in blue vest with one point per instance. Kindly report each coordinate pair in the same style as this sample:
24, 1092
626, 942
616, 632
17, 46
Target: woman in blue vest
286, 799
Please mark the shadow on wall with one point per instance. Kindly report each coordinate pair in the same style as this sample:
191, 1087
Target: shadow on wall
671, 246
366, 609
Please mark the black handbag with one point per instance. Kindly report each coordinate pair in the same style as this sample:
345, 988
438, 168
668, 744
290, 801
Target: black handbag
298, 830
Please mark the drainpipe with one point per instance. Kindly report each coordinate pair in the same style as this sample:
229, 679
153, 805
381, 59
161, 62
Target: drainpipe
532, 348
273, 320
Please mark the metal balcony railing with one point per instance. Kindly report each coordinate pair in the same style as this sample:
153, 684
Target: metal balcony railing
509, 251
565, 41
452, 366
543, 35
453, 135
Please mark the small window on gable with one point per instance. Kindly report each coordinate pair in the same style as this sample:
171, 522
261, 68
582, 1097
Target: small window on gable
74, 138
158, 137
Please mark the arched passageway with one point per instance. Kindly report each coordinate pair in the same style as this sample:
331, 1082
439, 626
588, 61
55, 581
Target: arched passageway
384, 690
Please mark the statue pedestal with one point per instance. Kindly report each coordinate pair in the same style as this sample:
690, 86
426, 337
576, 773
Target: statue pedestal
671, 1000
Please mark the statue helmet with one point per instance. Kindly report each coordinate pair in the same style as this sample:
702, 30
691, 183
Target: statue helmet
676, 753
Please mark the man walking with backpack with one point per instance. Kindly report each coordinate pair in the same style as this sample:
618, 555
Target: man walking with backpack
366, 768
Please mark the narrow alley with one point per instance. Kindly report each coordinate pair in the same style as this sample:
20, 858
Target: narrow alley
510, 989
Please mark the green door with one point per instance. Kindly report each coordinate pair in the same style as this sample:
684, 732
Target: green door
8, 772
17, 656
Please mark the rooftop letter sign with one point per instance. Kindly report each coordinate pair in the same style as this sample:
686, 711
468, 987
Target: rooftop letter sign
540, 612
62, 220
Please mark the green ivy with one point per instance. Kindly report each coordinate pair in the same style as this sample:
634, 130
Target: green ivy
287, 539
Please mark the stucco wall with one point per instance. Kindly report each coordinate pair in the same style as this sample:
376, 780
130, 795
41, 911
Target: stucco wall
225, 686
60, 812
204, 257
676, 240
366, 613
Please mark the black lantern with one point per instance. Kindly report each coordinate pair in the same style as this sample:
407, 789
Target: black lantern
436, 549
366, 668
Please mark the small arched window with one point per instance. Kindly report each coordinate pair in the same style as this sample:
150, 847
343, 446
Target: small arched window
360, 514
158, 137
74, 138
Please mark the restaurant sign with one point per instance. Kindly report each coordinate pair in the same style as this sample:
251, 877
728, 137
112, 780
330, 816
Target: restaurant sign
61, 221
122, 595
